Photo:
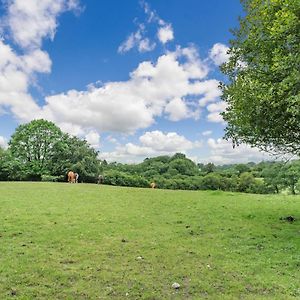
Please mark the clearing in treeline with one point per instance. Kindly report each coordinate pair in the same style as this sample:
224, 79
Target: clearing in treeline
64, 241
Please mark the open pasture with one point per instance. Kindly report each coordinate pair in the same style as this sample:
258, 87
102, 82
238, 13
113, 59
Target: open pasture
84, 241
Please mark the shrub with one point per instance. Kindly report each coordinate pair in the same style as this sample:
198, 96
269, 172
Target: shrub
46, 177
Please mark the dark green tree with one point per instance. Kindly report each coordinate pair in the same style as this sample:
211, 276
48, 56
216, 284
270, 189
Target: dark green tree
208, 168
212, 181
264, 70
183, 166
242, 168
75, 154
273, 176
11, 168
33, 145
41, 148
246, 180
290, 175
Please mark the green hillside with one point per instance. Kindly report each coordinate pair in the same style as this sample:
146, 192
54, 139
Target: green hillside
85, 241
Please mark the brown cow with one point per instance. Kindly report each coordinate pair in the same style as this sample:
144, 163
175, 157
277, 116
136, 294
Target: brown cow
71, 177
152, 185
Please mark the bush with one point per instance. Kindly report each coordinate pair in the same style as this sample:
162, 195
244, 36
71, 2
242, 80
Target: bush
246, 181
212, 181
51, 178
114, 177
259, 187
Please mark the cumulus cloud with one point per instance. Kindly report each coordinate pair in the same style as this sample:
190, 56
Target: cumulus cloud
222, 152
27, 23
154, 89
15, 78
211, 91
3, 142
32, 20
165, 33
177, 109
169, 142
218, 54
152, 143
93, 138
159, 89
215, 110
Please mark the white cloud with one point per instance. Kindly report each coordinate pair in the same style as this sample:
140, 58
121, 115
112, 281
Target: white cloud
165, 33
3, 142
218, 106
36, 61
28, 23
194, 65
93, 138
218, 54
170, 142
128, 44
152, 14
222, 152
70, 128
215, 110
207, 132
152, 143
15, 77
153, 90
177, 109
215, 117
145, 45
211, 91
139, 39
32, 20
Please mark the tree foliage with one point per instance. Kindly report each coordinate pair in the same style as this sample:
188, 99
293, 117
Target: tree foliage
33, 144
40, 148
179, 172
264, 70
75, 154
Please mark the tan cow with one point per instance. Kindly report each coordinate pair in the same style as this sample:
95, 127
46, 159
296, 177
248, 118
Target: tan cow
153, 185
71, 177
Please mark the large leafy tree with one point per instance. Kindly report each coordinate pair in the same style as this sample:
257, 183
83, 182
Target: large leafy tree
41, 148
33, 144
264, 71
77, 155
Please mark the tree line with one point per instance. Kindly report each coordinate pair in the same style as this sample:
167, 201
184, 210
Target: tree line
179, 172
40, 151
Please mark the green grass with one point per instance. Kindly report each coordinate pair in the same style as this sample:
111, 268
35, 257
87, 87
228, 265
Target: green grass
68, 241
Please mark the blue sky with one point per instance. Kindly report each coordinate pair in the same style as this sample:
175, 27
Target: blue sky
135, 78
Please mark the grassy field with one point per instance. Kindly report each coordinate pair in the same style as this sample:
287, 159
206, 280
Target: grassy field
81, 241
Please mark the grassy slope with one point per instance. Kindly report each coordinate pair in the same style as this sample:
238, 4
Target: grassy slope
63, 241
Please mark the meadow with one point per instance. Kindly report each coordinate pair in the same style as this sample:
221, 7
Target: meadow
86, 241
